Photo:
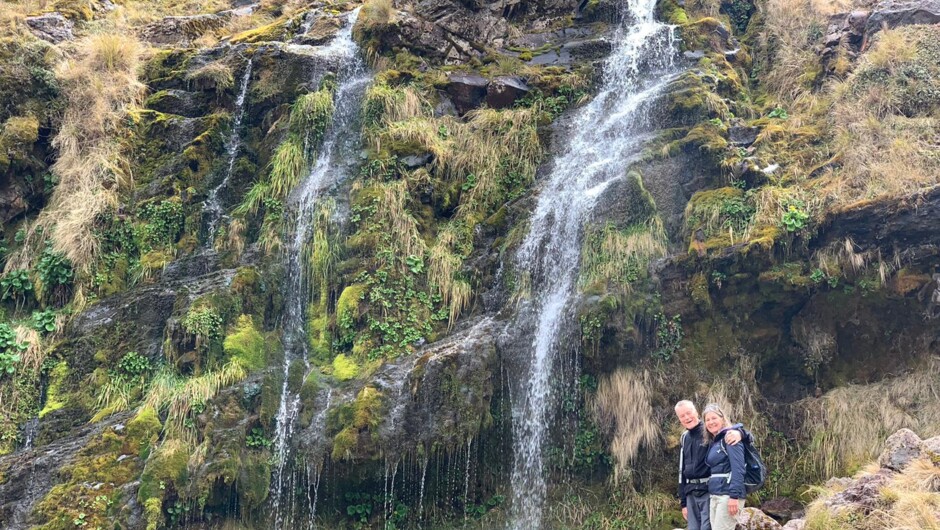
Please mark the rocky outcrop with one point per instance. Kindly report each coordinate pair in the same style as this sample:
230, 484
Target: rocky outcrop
52, 27
894, 13
183, 30
901, 448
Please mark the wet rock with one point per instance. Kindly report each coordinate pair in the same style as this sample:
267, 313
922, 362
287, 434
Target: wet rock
179, 102
415, 161
589, 50
894, 13
782, 509
503, 92
445, 107
693, 55
901, 448
13, 200
29, 474
51, 27
754, 519
742, 135
466, 91
321, 31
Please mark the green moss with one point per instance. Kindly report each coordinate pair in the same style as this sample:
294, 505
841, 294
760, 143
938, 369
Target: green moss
245, 345
167, 467
354, 419
54, 393
345, 368
318, 335
254, 480
143, 431
347, 306
274, 31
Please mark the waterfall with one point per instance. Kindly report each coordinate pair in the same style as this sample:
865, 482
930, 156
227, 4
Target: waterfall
332, 166
606, 135
213, 208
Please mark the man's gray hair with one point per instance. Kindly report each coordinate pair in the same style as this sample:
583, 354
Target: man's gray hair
686, 403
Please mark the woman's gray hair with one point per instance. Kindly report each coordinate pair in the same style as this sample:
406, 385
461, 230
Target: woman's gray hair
707, 437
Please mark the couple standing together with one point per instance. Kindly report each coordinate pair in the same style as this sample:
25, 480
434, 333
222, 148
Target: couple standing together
711, 468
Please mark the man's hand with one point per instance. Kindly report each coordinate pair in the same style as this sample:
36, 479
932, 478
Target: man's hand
732, 437
685, 513
733, 507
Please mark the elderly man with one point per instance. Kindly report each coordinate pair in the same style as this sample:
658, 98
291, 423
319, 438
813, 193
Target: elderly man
693, 471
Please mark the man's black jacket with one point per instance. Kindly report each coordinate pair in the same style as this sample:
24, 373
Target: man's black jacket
693, 463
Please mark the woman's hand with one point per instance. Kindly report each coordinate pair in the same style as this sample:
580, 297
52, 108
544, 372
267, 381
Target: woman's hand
733, 507
685, 513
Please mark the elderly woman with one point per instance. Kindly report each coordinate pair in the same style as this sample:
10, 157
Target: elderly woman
726, 461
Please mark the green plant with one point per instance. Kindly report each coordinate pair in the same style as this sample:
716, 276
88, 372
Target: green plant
164, 222
54, 269
203, 322
257, 440
415, 264
795, 218
80, 520
817, 276
134, 365
44, 321
10, 349
16, 284
779, 112
669, 335
718, 277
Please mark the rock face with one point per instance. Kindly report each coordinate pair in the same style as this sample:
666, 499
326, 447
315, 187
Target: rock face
466, 91
52, 27
894, 13
182, 30
503, 92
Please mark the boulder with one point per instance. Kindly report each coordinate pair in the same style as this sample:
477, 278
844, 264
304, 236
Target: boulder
742, 135
862, 495
321, 31
894, 13
466, 91
503, 92
901, 448
51, 27
932, 448
782, 508
415, 161
754, 519
795, 524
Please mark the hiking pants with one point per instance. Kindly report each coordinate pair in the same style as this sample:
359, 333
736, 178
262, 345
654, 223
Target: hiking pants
718, 516
697, 506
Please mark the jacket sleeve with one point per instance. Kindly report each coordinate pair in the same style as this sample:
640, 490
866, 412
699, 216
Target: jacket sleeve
736, 459
681, 475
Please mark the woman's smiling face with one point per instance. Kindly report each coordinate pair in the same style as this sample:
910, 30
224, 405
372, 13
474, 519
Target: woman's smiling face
713, 422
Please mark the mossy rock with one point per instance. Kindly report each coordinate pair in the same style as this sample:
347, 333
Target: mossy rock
55, 398
245, 345
345, 368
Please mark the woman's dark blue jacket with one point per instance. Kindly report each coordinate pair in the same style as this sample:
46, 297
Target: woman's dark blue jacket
727, 468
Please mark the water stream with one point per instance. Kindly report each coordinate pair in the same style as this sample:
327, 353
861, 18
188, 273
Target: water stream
214, 208
606, 134
332, 167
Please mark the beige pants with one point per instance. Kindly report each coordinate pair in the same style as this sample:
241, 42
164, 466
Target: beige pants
718, 512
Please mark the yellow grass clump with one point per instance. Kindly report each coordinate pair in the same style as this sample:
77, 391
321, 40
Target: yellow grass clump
621, 407
101, 87
847, 426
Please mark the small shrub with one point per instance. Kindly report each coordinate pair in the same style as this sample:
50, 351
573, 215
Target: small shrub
203, 322
795, 218
164, 222
44, 321
257, 440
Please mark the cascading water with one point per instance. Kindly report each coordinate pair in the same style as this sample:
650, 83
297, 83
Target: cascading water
606, 134
213, 209
332, 166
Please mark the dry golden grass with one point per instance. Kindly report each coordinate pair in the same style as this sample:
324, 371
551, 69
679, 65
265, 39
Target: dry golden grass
34, 354
399, 221
614, 256
101, 87
177, 396
847, 426
442, 271
910, 501
622, 410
